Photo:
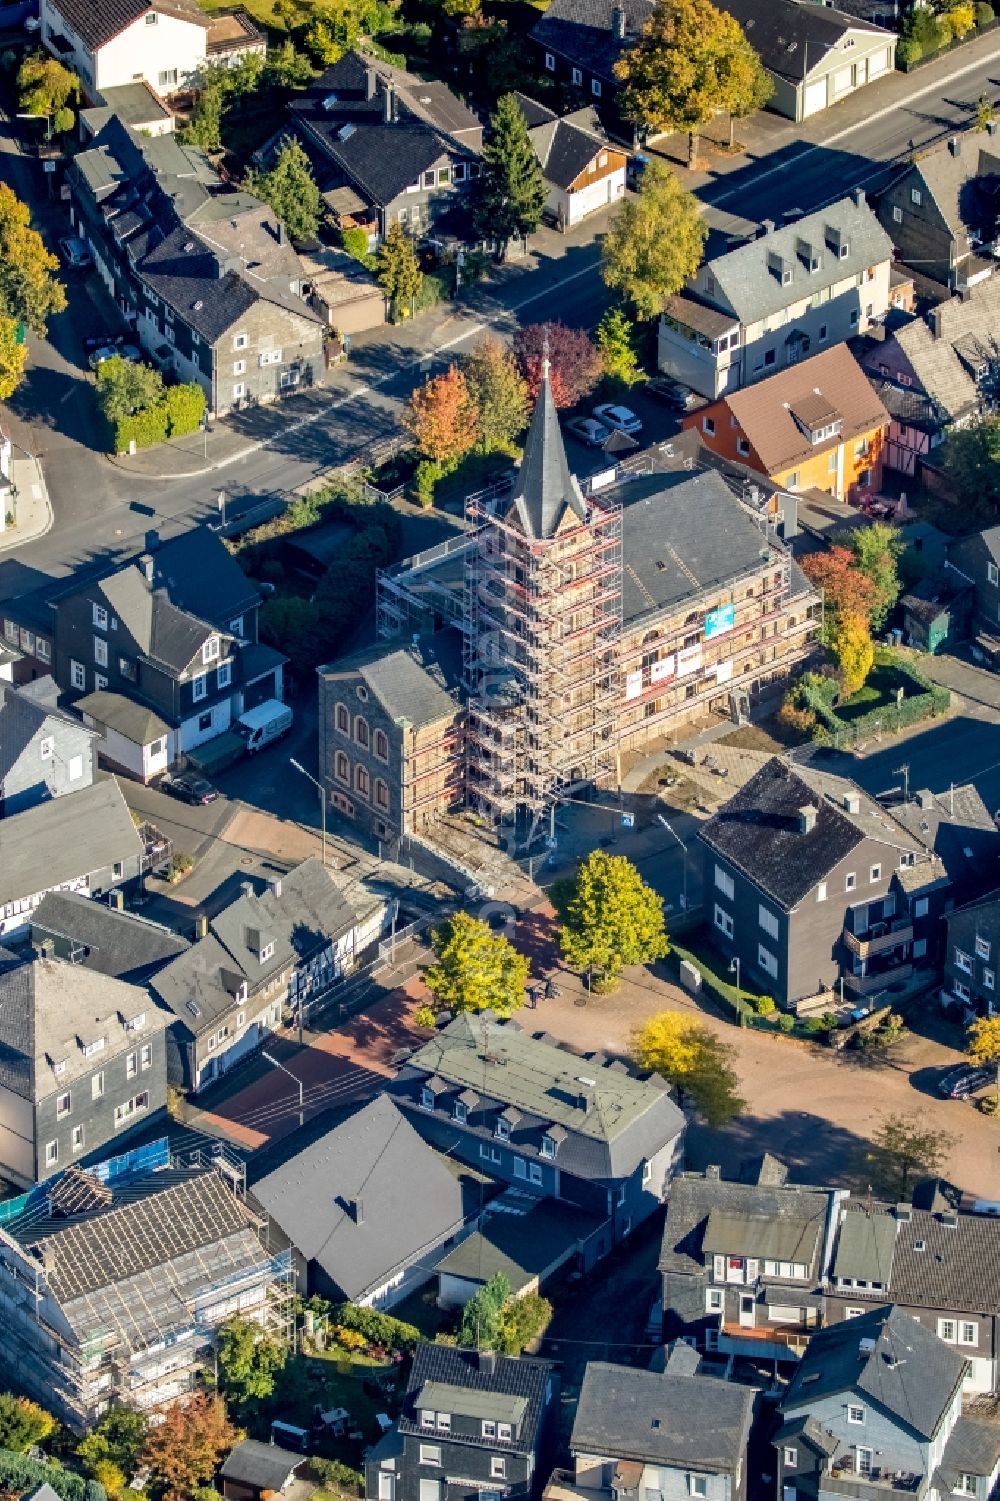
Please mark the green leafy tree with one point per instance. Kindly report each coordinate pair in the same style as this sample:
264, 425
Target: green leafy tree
692, 1058
204, 128
480, 1326
45, 87
29, 294
616, 341
903, 1150
322, 42
290, 189
398, 270
655, 242
877, 549
287, 68
511, 195
522, 1320
249, 1362
125, 389
970, 458
691, 63
23, 1423
499, 394
113, 1447
608, 917
476, 968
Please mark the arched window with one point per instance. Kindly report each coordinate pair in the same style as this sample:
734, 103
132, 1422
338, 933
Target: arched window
361, 730
649, 637
343, 719
381, 793
382, 745
361, 780
343, 768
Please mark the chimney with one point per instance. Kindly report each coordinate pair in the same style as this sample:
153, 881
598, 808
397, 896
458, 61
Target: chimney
371, 83
487, 1362
807, 818
388, 102
45, 948
859, 197
152, 540
766, 228
955, 146
357, 1208
934, 319
991, 127
146, 567
201, 926
275, 885
904, 1213
246, 887
116, 900
282, 236
618, 23
852, 802
713, 1172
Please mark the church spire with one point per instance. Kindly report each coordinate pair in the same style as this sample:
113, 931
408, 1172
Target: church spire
544, 485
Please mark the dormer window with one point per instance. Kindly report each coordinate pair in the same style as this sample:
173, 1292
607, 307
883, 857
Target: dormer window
137, 1023
267, 952
427, 1100
210, 650
549, 1146
90, 1048
461, 1112
503, 1128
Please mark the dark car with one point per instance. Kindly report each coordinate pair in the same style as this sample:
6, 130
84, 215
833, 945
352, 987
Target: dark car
189, 789
965, 1080
681, 398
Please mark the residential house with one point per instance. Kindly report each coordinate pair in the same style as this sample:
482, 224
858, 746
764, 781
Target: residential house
936, 613
203, 273
118, 1295
163, 649
583, 172
975, 560
812, 882
697, 591
136, 105
775, 300
366, 1208
160, 42
818, 426
29, 633
84, 842
941, 1265
961, 833
121, 944
253, 1471
489, 1419
229, 990
743, 1262
941, 210
84, 1062
671, 1432
44, 752
877, 1401
815, 56
531, 1114
397, 149
529, 1246
952, 358
972, 956
916, 425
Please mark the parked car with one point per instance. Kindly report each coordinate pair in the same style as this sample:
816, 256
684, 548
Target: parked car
622, 418
588, 430
100, 354
102, 340
264, 724
75, 253
965, 1080
188, 788
32, 23
681, 398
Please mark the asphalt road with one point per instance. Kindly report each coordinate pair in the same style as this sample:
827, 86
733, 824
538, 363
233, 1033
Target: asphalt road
98, 508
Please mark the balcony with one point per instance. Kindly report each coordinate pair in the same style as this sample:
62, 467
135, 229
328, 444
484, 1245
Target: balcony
791, 1337
879, 942
874, 1486
865, 985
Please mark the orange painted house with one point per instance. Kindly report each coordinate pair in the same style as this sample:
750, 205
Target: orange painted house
815, 426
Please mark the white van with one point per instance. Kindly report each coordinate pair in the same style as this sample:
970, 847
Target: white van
263, 725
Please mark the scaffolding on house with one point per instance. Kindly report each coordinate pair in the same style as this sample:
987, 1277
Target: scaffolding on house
542, 629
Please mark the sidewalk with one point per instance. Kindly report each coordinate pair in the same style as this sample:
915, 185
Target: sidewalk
27, 500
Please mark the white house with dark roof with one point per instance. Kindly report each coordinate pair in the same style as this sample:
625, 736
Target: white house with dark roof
44, 752
583, 172
110, 43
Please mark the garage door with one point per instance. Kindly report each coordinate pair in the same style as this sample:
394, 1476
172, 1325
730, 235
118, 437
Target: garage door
842, 81
878, 63
815, 99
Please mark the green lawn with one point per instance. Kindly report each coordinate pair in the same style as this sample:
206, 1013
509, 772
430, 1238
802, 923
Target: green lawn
332, 1379
880, 688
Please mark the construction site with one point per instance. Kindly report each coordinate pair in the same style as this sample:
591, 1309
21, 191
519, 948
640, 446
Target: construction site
116, 1293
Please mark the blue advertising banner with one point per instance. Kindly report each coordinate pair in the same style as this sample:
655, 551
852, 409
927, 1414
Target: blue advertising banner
718, 622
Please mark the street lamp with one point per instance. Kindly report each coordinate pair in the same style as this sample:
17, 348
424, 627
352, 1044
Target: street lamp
322, 796
734, 965
294, 1080
684, 848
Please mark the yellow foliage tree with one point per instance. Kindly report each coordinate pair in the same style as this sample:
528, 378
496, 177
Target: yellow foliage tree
960, 20
984, 1045
855, 652
12, 358
693, 1059
28, 293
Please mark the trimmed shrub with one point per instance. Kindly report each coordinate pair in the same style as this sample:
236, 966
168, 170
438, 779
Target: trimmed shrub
377, 1328
984, 13
185, 409
908, 52
145, 429
425, 481
431, 291
355, 242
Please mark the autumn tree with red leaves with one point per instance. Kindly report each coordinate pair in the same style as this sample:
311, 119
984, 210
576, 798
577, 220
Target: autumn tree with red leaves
846, 590
442, 418
186, 1449
574, 361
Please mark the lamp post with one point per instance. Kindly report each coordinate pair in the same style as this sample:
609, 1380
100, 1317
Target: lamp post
734, 964
322, 797
674, 835
294, 1080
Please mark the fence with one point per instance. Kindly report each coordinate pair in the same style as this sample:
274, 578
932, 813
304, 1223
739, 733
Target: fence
929, 700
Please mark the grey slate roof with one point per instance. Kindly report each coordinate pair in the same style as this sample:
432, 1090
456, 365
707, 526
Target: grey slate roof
65, 839
613, 1122
963, 179
344, 109
758, 829
662, 1418
411, 1202
120, 944
933, 351
757, 1214
50, 1010
565, 145
783, 32
958, 1267
266, 1467
314, 906
521, 1247
580, 30
973, 1448
743, 279
544, 487
886, 1356
865, 1246
23, 717
418, 683
114, 711
522, 1378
